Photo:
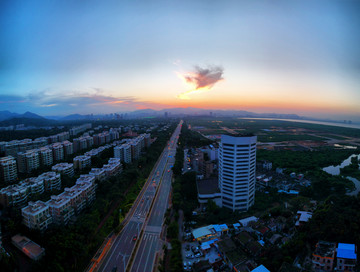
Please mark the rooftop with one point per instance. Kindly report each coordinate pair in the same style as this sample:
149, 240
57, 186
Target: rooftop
346, 251
325, 249
208, 186
261, 268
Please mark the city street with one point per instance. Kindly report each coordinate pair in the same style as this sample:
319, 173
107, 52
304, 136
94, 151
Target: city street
123, 246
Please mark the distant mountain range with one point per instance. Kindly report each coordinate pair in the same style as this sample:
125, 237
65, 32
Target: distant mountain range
28, 118
4, 115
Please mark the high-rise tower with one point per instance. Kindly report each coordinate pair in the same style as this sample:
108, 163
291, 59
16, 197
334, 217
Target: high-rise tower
237, 162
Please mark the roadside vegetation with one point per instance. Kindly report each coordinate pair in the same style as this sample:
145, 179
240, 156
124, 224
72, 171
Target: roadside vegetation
70, 248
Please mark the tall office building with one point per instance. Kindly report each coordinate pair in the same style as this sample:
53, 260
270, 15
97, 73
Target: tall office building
237, 161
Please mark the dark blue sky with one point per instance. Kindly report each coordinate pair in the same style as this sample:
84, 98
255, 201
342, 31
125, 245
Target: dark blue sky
60, 57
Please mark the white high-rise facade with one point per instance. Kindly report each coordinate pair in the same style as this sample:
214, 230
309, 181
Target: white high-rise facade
237, 163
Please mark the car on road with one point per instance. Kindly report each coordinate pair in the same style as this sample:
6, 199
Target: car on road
135, 237
138, 216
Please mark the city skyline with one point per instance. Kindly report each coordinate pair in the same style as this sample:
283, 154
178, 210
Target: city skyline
296, 57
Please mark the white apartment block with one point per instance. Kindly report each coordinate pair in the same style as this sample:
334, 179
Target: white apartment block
81, 162
113, 167
36, 215
46, 156
98, 173
237, 162
82, 193
64, 168
60, 209
27, 161
123, 152
52, 180
8, 169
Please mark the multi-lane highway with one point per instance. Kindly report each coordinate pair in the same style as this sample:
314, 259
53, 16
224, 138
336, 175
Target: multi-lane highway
154, 196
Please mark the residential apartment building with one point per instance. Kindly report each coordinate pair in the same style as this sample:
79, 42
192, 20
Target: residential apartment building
18, 194
52, 180
68, 148
8, 169
81, 162
58, 151
60, 209
14, 195
36, 215
28, 161
64, 168
46, 156
135, 148
323, 257
63, 136
35, 185
98, 173
123, 152
237, 162
82, 193
113, 167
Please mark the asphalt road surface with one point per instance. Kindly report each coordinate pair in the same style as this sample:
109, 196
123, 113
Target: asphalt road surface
123, 246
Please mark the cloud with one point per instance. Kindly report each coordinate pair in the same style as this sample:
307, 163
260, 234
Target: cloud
201, 79
94, 100
8, 99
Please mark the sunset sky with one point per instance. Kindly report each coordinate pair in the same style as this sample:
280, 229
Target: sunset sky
63, 57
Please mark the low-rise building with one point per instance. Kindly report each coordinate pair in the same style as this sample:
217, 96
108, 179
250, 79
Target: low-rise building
346, 257
36, 215
323, 257
204, 233
28, 247
208, 189
302, 218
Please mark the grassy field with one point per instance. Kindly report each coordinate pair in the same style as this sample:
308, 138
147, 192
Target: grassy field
272, 130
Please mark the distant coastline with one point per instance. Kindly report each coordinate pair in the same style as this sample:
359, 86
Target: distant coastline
307, 121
